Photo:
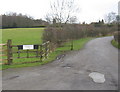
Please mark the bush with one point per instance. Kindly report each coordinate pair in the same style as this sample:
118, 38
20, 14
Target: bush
59, 34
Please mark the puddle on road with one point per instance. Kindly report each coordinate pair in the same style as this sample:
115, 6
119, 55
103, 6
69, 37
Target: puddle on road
97, 77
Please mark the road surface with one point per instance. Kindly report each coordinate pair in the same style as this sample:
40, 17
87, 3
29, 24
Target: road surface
71, 71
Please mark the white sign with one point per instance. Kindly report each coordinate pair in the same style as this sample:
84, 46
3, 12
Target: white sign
28, 47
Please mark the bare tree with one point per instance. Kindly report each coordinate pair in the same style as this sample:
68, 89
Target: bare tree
62, 11
111, 17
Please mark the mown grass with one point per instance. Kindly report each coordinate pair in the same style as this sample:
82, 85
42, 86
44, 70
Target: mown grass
23, 35
115, 44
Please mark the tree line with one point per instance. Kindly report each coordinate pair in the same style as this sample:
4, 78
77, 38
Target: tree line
14, 20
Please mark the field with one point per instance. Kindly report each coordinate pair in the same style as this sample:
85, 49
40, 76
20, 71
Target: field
24, 36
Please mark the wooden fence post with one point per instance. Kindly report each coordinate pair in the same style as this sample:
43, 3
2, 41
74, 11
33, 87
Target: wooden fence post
9, 51
72, 45
41, 53
46, 48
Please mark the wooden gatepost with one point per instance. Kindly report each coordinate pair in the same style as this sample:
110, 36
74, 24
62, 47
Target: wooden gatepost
9, 51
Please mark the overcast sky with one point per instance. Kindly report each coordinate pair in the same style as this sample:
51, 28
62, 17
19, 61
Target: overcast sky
90, 10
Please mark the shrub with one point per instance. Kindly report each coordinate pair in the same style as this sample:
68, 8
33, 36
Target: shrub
59, 34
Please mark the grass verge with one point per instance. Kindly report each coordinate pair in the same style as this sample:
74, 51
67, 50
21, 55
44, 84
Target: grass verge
115, 44
78, 44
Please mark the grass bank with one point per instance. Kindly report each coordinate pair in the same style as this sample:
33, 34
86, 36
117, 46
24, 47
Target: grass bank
78, 44
115, 44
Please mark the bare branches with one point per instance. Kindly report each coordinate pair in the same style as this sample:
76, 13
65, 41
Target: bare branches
111, 17
62, 11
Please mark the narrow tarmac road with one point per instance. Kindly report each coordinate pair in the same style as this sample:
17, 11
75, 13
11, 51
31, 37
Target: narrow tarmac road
70, 72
